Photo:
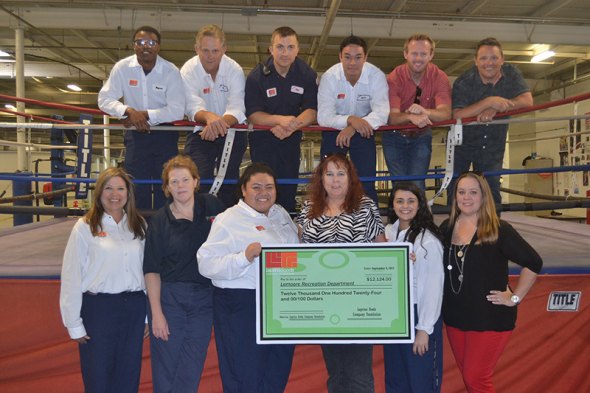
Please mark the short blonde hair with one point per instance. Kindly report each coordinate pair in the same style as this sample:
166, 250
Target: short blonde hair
210, 31
419, 37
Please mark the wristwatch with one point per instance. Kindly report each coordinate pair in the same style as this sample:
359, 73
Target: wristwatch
515, 299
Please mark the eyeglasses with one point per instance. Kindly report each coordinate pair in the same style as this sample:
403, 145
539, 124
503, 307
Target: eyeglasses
144, 42
418, 95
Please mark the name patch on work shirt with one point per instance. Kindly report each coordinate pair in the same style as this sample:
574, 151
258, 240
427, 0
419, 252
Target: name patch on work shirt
223, 88
341, 96
363, 97
159, 88
206, 90
272, 92
296, 89
133, 82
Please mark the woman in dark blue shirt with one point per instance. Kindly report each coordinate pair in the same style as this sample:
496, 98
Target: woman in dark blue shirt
180, 298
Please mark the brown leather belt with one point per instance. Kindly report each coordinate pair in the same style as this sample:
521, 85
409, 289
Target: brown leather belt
411, 133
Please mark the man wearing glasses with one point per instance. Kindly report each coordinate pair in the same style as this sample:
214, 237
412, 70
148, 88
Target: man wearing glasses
419, 94
152, 91
352, 98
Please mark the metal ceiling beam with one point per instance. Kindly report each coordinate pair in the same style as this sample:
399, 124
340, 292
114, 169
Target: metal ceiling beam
397, 5
84, 38
323, 39
472, 7
550, 7
50, 38
558, 68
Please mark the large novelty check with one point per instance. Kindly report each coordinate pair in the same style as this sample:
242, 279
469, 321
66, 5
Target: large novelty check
335, 293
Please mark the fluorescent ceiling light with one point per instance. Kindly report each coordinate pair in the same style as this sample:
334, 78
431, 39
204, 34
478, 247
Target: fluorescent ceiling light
542, 56
73, 87
4, 54
10, 107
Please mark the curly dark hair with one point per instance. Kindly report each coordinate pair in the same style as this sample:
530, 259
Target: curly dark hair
423, 219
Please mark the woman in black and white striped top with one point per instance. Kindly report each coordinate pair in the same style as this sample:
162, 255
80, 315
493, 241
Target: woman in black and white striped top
337, 211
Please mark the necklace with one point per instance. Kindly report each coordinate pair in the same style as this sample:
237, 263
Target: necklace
179, 214
459, 254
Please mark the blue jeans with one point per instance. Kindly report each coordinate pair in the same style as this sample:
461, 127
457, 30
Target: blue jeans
482, 161
363, 155
207, 155
177, 364
350, 368
407, 155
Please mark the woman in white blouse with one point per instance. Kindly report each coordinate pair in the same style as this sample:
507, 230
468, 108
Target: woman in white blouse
417, 367
102, 298
230, 258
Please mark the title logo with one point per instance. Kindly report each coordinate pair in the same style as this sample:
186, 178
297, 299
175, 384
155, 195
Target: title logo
564, 301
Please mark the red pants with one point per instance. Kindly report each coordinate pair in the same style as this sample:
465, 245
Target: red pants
476, 354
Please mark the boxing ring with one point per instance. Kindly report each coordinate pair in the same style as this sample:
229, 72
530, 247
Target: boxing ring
548, 352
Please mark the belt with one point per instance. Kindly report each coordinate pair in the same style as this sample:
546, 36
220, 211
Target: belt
126, 293
412, 133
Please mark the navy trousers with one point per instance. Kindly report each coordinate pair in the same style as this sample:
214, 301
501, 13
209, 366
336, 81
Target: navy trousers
283, 156
207, 155
145, 156
409, 373
111, 359
245, 366
177, 364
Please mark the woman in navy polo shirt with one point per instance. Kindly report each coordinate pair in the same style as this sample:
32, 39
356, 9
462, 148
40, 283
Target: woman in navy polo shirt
180, 299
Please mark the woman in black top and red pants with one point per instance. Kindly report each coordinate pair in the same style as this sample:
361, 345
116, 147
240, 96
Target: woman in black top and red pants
479, 308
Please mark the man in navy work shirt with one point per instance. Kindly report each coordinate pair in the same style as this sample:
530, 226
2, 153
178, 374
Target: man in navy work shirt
488, 88
281, 93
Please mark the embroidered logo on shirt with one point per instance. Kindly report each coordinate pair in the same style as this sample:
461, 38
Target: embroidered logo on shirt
341, 96
296, 89
206, 90
159, 88
272, 92
363, 97
133, 82
260, 228
101, 234
223, 88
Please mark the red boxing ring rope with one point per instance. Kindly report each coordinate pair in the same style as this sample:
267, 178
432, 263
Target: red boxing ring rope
465, 121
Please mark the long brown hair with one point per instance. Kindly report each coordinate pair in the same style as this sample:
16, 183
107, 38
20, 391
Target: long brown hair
488, 222
93, 217
317, 194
